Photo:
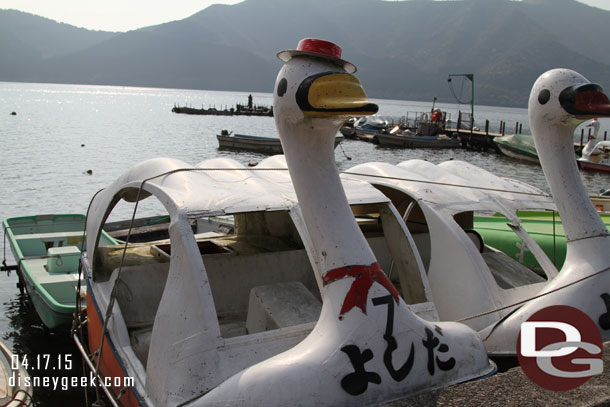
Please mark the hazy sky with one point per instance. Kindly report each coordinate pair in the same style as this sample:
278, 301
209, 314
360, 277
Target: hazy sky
125, 15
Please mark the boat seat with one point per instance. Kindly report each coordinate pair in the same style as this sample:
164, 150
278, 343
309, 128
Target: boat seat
37, 244
281, 305
62, 259
139, 293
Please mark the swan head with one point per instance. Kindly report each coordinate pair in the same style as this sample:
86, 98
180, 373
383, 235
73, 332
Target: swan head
316, 85
566, 98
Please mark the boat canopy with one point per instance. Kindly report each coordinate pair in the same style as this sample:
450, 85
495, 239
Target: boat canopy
455, 186
448, 195
213, 187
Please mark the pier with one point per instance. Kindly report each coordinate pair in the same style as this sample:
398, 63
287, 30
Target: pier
238, 110
479, 140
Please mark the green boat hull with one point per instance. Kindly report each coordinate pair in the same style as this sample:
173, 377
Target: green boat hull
47, 250
544, 227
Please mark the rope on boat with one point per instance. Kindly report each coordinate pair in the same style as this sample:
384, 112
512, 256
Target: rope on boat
77, 332
6, 267
446, 184
428, 182
344, 153
27, 400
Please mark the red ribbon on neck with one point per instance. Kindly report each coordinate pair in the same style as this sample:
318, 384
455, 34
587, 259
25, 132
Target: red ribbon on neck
359, 291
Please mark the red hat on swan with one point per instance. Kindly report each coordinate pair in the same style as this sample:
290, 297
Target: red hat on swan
318, 49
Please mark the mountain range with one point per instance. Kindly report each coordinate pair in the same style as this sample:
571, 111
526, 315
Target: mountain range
403, 49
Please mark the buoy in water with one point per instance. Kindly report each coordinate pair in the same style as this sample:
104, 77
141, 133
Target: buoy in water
89, 172
13, 113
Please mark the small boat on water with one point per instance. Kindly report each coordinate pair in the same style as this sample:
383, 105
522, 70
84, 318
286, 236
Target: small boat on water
259, 144
365, 128
595, 155
15, 386
425, 130
409, 139
47, 249
519, 146
593, 166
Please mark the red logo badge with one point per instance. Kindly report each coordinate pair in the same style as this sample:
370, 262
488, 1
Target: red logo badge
559, 348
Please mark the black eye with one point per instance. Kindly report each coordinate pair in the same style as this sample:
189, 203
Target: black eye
544, 96
282, 86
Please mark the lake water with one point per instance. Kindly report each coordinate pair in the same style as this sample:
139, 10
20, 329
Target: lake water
62, 131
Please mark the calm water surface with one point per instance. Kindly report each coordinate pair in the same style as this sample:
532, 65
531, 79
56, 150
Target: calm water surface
62, 131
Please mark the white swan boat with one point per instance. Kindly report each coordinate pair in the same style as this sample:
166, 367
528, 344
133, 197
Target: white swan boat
294, 308
595, 153
468, 282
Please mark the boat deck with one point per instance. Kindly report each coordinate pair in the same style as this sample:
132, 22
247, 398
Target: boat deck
47, 249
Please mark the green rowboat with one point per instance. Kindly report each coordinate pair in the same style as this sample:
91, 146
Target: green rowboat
47, 249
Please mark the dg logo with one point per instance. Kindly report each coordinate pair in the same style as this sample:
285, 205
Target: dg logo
560, 348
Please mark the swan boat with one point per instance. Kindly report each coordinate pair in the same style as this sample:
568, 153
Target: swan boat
440, 201
594, 154
295, 300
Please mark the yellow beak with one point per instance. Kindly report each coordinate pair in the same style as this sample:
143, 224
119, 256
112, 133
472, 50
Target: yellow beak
333, 94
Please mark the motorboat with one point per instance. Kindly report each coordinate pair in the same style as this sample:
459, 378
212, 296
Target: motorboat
367, 128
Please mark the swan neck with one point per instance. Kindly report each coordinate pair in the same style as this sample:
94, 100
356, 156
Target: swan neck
556, 153
336, 237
